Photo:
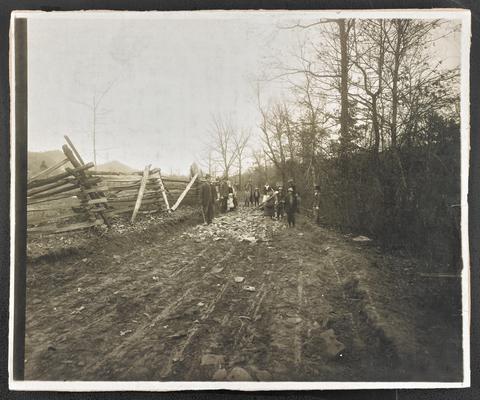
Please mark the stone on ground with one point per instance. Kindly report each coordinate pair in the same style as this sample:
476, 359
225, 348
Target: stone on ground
238, 374
212, 359
331, 346
263, 376
220, 375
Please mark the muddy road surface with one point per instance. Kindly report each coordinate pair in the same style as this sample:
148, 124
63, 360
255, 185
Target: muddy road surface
243, 299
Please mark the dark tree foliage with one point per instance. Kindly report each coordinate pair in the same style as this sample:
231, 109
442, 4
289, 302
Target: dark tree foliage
376, 124
417, 209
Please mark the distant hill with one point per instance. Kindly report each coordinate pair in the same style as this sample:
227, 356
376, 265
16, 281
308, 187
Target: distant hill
115, 166
49, 158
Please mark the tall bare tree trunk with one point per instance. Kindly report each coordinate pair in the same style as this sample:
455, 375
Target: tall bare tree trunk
344, 114
376, 129
396, 67
240, 173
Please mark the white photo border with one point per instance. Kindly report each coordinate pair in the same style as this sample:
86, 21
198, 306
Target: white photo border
463, 15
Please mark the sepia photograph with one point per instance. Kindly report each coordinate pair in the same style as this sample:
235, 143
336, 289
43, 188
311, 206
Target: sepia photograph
251, 200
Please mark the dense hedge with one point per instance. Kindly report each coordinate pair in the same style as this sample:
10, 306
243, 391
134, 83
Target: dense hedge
408, 198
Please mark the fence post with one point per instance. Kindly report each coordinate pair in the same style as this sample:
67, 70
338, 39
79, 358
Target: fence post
164, 192
143, 183
179, 200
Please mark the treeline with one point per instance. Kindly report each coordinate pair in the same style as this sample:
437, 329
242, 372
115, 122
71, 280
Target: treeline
376, 123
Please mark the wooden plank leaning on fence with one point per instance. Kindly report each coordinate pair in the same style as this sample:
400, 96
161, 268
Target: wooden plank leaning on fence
164, 192
79, 158
143, 183
77, 154
82, 178
179, 200
48, 170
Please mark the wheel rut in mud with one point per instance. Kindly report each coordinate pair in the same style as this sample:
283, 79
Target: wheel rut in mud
199, 302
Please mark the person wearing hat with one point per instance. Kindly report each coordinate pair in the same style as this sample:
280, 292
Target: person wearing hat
290, 207
316, 204
291, 185
207, 196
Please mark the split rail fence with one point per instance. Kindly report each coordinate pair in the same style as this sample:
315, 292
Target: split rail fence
80, 197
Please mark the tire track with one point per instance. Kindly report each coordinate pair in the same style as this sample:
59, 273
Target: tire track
186, 285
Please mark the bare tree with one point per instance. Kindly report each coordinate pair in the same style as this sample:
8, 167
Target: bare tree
241, 140
222, 144
277, 136
328, 65
260, 166
369, 59
97, 112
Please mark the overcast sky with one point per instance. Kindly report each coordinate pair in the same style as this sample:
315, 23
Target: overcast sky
166, 78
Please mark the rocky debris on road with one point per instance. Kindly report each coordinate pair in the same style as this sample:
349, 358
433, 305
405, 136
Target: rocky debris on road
361, 239
294, 320
244, 225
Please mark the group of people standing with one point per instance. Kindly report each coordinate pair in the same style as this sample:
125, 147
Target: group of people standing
276, 202
221, 193
251, 195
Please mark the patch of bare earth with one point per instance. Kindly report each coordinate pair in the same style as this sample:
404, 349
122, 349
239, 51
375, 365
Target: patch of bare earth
165, 304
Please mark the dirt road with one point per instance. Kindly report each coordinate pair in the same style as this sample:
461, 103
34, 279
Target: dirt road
165, 304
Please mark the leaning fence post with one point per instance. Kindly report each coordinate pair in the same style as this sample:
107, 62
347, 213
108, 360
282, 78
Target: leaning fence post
164, 192
143, 183
77, 154
179, 200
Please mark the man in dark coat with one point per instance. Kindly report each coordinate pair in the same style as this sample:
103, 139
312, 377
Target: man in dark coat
215, 196
290, 207
256, 197
248, 193
291, 185
207, 196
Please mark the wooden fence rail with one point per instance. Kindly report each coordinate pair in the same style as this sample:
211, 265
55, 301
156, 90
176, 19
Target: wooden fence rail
80, 197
